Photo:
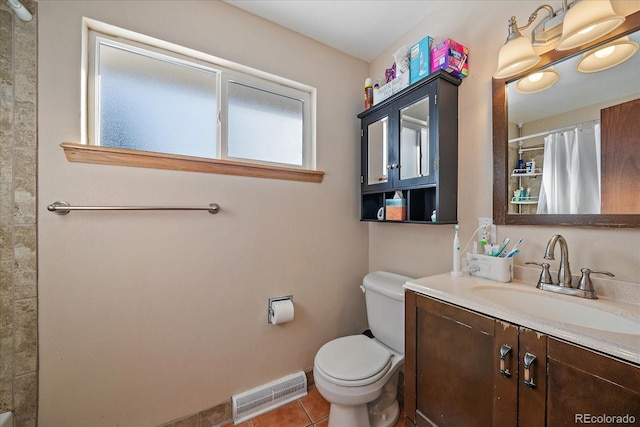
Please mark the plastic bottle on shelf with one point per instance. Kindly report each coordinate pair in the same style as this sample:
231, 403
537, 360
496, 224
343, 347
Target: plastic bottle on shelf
368, 93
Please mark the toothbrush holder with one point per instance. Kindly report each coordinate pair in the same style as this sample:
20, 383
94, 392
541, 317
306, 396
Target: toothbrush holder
490, 267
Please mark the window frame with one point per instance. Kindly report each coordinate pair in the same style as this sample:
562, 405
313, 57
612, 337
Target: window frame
247, 80
97, 40
87, 152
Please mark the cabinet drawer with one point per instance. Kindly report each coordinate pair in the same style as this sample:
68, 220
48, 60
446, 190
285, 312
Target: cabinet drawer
458, 315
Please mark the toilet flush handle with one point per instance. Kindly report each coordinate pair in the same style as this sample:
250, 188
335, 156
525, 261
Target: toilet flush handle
363, 290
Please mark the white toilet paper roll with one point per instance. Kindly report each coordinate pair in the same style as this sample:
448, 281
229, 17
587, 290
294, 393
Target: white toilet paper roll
282, 312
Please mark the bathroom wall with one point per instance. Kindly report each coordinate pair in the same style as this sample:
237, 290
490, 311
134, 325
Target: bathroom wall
146, 317
18, 266
424, 250
570, 118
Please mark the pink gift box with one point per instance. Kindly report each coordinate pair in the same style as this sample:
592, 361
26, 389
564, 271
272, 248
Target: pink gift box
452, 57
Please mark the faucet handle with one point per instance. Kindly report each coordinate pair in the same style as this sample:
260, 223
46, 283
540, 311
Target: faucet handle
585, 283
545, 275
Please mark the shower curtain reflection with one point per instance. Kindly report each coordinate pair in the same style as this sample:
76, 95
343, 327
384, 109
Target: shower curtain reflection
571, 172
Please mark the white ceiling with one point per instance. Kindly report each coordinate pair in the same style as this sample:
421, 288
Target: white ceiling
360, 28
364, 29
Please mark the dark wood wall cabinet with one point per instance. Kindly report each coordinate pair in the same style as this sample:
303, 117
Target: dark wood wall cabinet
409, 143
464, 368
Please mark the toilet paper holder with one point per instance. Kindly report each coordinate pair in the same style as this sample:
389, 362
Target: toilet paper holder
270, 307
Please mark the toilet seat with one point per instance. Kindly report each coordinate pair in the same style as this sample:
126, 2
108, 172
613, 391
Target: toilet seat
353, 361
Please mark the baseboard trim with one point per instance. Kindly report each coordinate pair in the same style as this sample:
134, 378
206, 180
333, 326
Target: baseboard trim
221, 414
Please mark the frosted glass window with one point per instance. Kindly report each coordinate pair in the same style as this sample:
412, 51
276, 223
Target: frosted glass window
153, 103
264, 126
146, 94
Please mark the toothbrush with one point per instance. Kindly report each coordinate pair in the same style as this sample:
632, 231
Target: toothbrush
514, 250
505, 242
512, 253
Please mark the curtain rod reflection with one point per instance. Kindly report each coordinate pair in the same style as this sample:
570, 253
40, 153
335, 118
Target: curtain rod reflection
562, 129
63, 208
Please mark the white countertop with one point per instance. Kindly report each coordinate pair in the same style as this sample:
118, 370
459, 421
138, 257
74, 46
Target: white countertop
460, 291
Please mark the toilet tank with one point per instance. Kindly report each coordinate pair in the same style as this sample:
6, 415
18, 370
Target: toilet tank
384, 296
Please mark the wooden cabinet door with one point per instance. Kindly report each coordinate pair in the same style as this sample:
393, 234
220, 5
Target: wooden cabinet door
532, 379
377, 129
466, 369
584, 385
505, 358
455, 366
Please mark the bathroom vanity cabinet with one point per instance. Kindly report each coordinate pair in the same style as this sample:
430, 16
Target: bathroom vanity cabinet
463, 368
409, 143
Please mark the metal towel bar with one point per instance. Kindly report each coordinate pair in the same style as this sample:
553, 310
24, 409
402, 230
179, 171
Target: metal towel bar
63, 208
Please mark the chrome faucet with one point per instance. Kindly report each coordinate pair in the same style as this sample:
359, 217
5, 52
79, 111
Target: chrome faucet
585, 287
564, 272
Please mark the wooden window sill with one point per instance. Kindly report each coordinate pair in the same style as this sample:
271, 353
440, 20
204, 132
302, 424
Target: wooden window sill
84, 153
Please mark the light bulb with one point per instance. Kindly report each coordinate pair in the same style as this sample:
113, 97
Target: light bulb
586, 30
603, 53
535, 77
538, 81
607, 56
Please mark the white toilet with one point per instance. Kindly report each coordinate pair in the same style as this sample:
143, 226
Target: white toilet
358, 375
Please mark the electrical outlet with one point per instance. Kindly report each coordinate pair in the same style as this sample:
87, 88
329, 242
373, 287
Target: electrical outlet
487, 230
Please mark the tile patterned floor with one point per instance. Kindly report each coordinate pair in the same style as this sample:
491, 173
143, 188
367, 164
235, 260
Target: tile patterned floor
309, 411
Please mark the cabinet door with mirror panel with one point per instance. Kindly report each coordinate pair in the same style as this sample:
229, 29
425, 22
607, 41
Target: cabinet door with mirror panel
397, 143
416, 153
376, 166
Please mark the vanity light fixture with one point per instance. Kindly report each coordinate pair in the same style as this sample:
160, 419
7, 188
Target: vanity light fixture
538, 81
581, 21
607, 56
587, 21
517, 54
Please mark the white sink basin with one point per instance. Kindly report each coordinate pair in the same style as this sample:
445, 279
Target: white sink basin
547, 305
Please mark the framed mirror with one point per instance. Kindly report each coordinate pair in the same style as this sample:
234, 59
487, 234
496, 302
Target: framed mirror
518, 166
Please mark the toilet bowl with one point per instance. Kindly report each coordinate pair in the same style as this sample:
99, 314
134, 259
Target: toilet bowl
358, 375
351, 373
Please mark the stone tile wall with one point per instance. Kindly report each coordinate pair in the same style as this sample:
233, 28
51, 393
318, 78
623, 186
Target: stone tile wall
18, 239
